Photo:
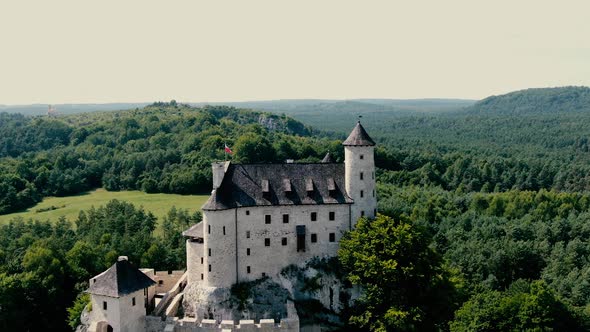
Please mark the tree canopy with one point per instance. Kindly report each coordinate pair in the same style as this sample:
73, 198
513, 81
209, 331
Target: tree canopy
404, 282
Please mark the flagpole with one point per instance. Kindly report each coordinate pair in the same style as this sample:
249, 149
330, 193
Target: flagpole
224, 152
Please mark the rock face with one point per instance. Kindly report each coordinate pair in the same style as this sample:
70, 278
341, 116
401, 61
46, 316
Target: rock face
255, 300
319, 291
315, 289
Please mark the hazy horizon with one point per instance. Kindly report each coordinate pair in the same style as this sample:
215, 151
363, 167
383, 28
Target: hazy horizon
65, 51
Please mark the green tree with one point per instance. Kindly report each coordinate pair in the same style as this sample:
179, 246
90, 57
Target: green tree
253, 148
523, 307
405, 285
76, 309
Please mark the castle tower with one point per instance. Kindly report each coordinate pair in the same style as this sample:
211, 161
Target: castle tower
120, 298
359, 169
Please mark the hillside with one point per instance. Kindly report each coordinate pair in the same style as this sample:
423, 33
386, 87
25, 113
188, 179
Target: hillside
164, 148
536, 101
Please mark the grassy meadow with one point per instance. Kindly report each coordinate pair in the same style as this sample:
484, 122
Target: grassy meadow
51, 208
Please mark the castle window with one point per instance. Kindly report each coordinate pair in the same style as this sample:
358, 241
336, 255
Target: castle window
247, 212
362, 194
247, 251
373, 192
267, 219
332, 215
247, 234
284, 241
133, 301
209, 229
267, 242
285, 218
362, 156
373, 175
104, 305
209, 252
265, 186
374, 212
160, 282
202, 276
247, 269
202, 260
362, 213
314, 238
332, 237
314, 216
223, 230
209, 267
300, 230
362, 175
263, 275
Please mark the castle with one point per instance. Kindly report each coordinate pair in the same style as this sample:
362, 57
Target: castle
259, 219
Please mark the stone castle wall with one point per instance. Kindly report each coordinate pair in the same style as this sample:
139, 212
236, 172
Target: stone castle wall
230, 252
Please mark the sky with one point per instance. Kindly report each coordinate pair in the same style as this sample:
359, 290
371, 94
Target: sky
63, 51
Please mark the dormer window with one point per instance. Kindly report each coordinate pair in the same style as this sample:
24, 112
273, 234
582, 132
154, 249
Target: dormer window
287, 185
331, 185
309, 185
265, 186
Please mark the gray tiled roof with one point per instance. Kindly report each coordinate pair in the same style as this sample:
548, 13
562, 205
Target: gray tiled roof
120, 279
195, 231
243, 184
358, 137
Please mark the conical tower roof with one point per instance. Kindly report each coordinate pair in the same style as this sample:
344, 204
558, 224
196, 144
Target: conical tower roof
358, 137
328, 158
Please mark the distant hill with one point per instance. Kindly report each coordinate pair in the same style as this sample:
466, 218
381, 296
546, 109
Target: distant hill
303, 106
534, 101
337, 115
41, 109
288, 106
327, 114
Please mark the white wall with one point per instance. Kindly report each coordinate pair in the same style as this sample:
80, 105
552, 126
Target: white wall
120, 313
262, 259
132, 316
223, 248
194, 252
112, 315
353, 166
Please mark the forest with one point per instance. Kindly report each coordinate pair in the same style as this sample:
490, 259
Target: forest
165, 148
484, 212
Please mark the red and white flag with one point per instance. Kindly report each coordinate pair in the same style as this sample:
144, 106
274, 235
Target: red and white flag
227, 149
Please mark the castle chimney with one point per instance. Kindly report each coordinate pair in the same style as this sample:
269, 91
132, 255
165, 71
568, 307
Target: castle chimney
219, 169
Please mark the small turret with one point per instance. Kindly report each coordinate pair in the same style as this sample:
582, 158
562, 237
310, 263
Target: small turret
359, 165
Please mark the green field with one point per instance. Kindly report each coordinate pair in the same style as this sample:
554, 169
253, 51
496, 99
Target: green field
158, 204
